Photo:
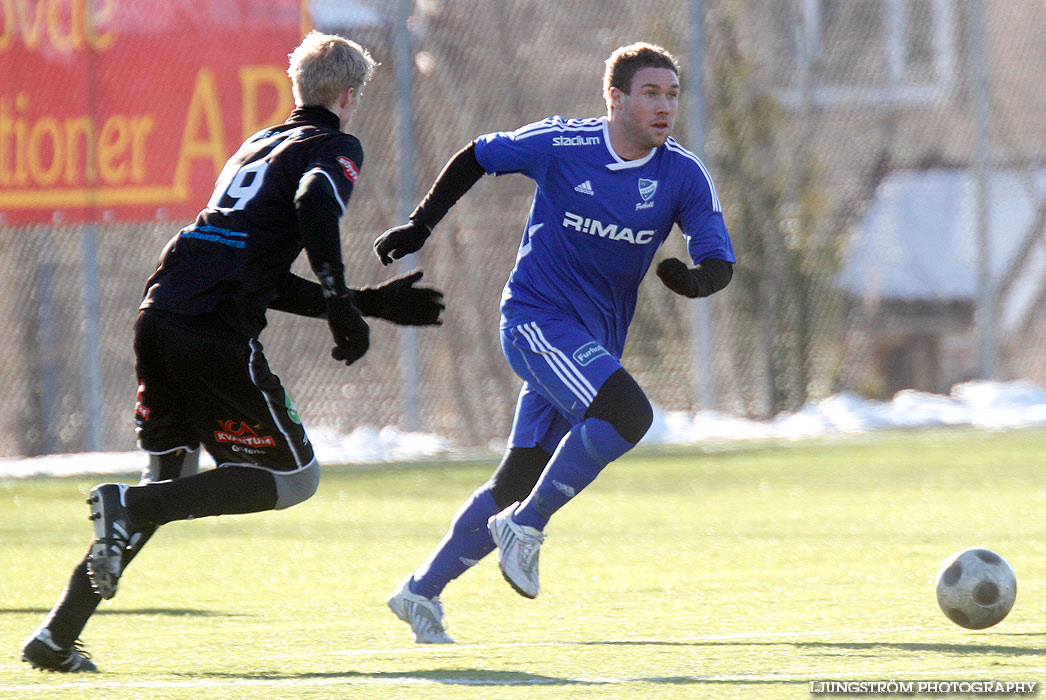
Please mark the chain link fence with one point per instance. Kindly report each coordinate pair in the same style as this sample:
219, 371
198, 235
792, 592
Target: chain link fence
826, 123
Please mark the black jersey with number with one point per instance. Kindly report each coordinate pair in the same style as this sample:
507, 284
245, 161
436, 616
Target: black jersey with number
284, 190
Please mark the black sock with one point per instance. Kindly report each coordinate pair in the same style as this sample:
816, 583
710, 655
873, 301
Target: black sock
222, 491
78, 602
74, 608
216, 492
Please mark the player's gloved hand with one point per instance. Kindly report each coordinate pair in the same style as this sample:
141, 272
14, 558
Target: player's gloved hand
400, 241
678, 277
351, 333
399, 301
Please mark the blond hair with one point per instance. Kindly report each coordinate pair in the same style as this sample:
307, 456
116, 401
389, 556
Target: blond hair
324, 66
626, 60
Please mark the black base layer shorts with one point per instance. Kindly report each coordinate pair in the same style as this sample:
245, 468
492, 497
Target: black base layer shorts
200, 385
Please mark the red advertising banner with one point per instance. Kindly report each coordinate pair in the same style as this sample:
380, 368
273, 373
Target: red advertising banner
127, 109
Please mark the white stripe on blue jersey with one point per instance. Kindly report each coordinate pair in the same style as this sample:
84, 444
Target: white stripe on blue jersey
672, 145
555, 124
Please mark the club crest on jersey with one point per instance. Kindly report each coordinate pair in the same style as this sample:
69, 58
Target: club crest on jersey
647, 188
351, 171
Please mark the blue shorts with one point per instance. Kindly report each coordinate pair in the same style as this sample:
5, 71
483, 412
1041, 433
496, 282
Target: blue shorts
563, 367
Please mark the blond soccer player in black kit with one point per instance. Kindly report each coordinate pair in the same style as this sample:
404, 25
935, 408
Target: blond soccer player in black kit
202, 376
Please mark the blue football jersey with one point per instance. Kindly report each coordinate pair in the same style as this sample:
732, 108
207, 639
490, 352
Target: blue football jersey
597, 220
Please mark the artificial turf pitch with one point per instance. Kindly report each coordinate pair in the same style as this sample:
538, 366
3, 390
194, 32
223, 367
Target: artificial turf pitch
751, 572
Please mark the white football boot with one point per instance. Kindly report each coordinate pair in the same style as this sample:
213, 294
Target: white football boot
518, 550
424, 615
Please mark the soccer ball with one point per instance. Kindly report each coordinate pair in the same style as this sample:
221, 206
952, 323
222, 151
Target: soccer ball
976, 588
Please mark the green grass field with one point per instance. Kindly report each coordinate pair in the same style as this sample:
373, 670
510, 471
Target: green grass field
745, 572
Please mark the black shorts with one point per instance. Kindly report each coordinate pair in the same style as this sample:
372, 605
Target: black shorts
197, 385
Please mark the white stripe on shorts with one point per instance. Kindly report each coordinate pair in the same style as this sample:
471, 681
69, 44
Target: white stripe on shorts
559, 362
292, 444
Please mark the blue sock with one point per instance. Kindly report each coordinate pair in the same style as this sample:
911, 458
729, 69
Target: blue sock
581, 455
467, 541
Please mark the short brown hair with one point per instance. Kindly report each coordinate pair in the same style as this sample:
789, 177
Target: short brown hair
324, 66
626, 60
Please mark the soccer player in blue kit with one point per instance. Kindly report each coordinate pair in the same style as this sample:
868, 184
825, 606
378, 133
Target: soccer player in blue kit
609, 191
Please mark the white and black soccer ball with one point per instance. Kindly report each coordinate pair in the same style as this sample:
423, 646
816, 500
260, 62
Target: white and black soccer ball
976, 588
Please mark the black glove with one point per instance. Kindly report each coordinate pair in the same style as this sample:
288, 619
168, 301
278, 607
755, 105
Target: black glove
400, 302
400, 241
678, 277
351, 333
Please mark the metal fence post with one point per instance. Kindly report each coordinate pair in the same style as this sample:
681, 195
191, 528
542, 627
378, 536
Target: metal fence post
92, 358
409, 376
47, 361
980, 115
702, 367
